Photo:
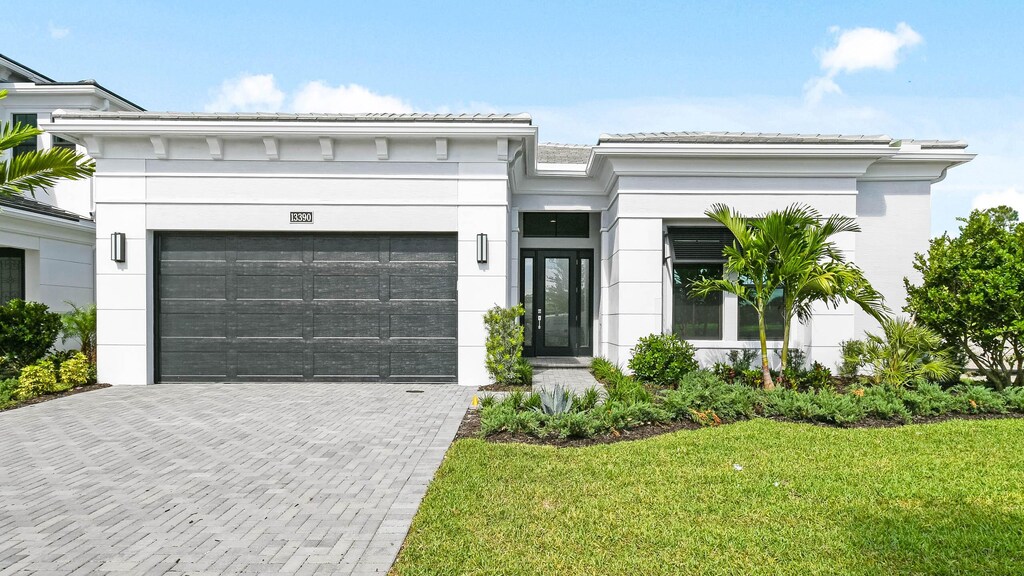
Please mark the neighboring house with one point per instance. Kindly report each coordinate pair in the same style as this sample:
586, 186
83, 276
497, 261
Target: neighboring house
298, 247
47, 241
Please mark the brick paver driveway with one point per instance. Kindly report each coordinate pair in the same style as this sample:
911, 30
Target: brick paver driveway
220, 479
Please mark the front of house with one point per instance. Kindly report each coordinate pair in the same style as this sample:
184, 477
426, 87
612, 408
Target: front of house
284, 247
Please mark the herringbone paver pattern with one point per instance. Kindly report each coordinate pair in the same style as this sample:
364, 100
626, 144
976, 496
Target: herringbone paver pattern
220, 479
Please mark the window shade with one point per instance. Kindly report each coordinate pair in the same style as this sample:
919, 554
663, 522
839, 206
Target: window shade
699, 243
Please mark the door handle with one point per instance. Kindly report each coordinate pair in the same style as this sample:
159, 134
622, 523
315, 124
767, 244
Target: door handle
540, 318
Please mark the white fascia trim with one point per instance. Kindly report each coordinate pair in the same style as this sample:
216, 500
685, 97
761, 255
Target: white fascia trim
75, 89
80, 226
103, 127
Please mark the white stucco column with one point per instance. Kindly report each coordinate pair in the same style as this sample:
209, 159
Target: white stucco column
634, 292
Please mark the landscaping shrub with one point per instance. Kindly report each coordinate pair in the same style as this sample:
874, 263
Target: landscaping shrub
786, 403
80, 323
555, 401
928, 399
974, 399
741, 360
524, 373
619, 416
1014, 398
905, 352
839, 409
587, 401
851, 352
27, 332
8, 393
702, 391
575, 425
627, 390
662, 359
603, 370
504, 344
886, 403
36, 379
504, 417
74, 371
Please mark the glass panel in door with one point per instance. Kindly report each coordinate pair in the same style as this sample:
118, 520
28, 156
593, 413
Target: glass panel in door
528, 301
586, 322
556, 302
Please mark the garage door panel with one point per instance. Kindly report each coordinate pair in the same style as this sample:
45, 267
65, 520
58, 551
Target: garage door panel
191, 247
360, 363
347, 325
423, 249
259, 364
307, 307
187, 286
193, 366
422, 287
427, 363
268, 287
347, 249
422, 326
193, 325
263, 325
347, 287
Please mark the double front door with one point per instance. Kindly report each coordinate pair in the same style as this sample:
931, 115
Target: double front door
557, 292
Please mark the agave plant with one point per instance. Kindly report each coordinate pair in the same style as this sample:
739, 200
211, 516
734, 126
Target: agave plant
556, 400
903, 353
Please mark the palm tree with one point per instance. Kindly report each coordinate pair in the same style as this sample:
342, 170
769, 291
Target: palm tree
813, 269
753, 268
80, 323
905, 352
38, 168
792, 250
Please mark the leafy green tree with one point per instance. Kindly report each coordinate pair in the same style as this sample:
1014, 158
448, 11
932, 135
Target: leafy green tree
972, 293
80, 323
793, 250
902, 353
38, 168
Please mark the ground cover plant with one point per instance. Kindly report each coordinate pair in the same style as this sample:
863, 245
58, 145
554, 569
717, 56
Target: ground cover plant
705, 398
759, 497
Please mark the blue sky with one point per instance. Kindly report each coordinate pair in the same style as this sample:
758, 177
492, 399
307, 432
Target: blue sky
907, 69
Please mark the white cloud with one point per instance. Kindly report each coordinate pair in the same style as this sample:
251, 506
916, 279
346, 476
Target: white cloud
260, 93
247, 93
317, 96
860, 49
1009, 197
57, 32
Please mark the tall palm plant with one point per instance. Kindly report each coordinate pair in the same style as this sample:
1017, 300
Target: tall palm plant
813, 269
904, 352
38, 168
80, 323
754, 267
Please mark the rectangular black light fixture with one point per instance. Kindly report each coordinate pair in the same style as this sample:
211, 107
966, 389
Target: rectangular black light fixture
117, 246
481, 248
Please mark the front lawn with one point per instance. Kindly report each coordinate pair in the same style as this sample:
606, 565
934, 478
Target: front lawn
756, 497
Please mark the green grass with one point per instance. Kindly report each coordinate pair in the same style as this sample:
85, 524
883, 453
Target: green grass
942, 498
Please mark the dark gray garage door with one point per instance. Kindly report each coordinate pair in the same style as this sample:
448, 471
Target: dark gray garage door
306, 307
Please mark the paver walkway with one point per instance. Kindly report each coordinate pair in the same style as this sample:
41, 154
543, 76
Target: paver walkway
220, 479
578, 380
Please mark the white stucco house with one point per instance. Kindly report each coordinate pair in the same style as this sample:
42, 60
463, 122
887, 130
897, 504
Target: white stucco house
297, 247
47, 241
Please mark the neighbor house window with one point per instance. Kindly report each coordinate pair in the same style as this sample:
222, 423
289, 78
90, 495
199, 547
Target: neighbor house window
12, 275
31, 144
556, 224
696, 253
748, 324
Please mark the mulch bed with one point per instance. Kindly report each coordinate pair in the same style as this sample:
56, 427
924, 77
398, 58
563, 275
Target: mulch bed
48, 397
470, 428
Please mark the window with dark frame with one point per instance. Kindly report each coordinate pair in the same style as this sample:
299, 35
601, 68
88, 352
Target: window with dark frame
59, 142
30, 145
747, 323
556, 224
696, 254
12, 275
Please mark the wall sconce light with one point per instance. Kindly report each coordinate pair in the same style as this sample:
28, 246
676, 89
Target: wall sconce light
117, 246
481, 248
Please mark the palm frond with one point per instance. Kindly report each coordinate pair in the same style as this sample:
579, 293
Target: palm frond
16, 133
41, 169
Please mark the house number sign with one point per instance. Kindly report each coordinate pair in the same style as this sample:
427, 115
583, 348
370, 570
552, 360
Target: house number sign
300, 217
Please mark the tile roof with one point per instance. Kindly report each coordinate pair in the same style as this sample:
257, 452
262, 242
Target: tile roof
739, 138
36, 207
935, 144
550, 153
304, 117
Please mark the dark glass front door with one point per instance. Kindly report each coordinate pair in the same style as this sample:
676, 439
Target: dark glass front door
558, 296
